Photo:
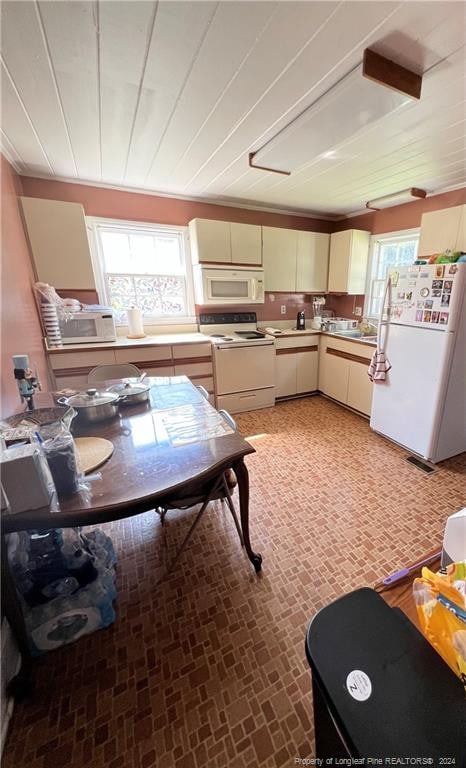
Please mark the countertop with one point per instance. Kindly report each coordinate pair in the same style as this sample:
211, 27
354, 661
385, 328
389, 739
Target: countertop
158, 340
284, 332
369, 341
166, 339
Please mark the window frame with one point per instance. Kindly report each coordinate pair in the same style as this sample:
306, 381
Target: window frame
122, 226
374, 248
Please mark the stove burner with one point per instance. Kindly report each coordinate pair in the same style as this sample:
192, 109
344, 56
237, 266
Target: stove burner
218, 335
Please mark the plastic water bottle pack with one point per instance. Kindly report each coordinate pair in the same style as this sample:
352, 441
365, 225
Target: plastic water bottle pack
66, 583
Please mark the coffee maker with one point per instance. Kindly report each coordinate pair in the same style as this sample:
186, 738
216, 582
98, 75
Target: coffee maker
300, 321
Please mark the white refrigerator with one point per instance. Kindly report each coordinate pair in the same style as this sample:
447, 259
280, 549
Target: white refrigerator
422, 403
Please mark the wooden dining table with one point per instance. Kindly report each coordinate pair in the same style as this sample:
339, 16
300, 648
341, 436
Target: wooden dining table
172, 445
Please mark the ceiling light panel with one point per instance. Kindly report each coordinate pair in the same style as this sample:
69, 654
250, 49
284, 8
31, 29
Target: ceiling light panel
344, 111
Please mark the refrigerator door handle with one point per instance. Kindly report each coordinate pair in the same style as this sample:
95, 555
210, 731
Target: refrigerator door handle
386, 304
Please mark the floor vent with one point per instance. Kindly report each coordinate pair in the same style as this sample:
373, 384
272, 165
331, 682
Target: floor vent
424, 466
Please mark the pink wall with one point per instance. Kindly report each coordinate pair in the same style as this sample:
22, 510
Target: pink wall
406, 216
21, 331
270, 310
117, 204
111, 203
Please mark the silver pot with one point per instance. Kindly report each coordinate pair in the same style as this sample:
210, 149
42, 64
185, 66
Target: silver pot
93, 406
131, 392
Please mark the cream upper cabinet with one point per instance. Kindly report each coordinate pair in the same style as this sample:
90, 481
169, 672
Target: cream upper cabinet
58, 238
442, 230
312, 257
222, 242
349, 253
246, 243
279, 248
210, 241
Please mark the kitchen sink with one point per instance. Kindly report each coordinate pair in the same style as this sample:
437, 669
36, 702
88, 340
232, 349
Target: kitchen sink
353, 334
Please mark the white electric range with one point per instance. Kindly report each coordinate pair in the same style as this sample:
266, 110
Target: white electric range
243, 361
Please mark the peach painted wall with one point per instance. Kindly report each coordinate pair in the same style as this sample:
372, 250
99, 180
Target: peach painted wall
406, 216
133, 206
270, 310
20, 326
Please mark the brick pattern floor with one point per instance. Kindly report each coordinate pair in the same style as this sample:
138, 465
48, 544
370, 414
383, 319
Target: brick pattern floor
207, 669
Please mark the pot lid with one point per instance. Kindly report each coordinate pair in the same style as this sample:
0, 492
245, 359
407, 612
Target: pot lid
92, 397
129, 388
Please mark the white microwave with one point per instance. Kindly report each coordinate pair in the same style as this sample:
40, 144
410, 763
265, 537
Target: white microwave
87, 327
223, 285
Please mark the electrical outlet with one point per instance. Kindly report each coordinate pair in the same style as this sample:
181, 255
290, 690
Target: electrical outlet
271, 297
358, 311
283, 309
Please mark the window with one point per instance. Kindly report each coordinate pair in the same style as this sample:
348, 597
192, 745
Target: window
393, 250
145, 266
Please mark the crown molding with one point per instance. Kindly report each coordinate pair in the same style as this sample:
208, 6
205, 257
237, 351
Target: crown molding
206, 200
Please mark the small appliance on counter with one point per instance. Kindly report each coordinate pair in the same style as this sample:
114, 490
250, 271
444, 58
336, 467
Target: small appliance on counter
300, 321
86, 327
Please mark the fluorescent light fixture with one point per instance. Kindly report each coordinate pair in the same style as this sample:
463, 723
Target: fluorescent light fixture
396, 198
343, 112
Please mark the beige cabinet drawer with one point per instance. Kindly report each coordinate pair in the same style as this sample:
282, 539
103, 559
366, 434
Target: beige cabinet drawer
135, 355
85, 359
188, 351
193, 369
294, 342
78, 383
161, 370
246, 401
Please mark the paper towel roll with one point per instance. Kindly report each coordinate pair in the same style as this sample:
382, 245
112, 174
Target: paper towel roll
135, 326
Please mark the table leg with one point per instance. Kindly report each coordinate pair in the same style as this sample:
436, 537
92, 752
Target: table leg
242, 475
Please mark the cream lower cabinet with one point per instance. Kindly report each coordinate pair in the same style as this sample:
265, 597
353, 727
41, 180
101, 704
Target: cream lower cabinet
343, 373
71, 369
296, 365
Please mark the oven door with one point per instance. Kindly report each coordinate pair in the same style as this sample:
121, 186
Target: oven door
242, 367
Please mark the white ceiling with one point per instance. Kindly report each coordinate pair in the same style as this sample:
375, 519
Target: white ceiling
172, 96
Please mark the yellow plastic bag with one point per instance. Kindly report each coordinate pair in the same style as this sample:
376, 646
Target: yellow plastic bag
441, 608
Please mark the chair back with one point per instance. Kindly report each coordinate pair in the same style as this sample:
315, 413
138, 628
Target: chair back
228, 418
116, 371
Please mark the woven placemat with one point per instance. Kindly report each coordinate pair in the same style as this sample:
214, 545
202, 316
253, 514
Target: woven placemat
92, 452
